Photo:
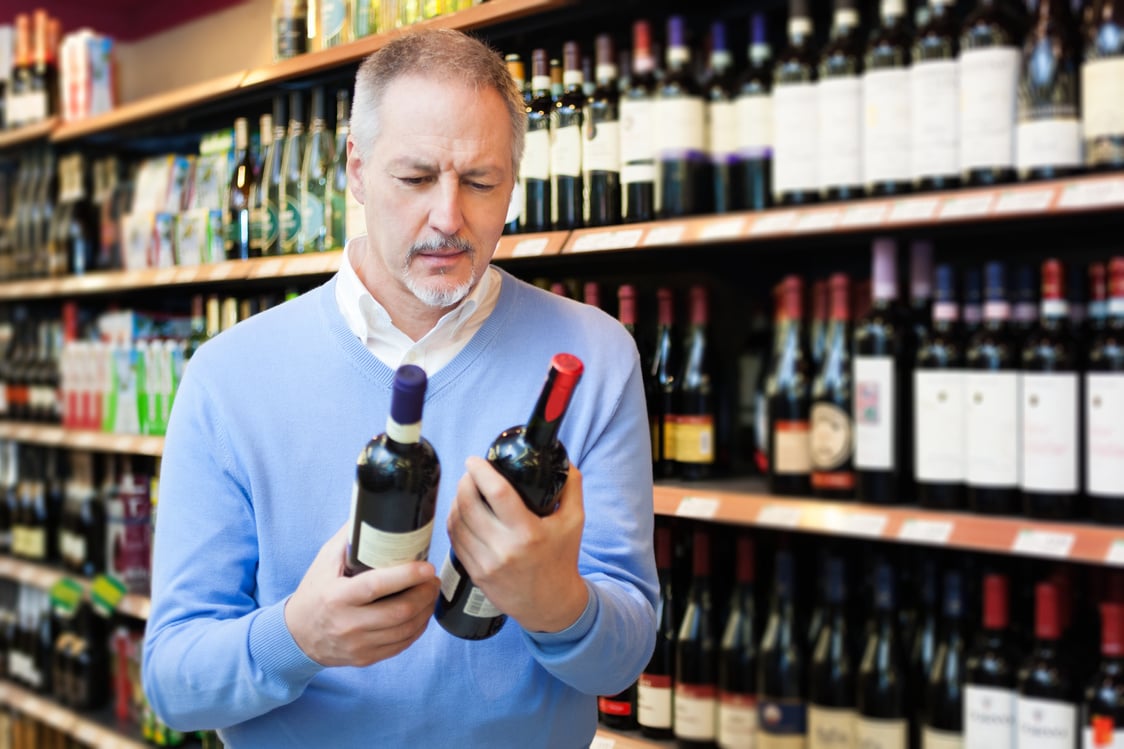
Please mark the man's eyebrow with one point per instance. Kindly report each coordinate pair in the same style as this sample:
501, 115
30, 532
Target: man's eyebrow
411, 163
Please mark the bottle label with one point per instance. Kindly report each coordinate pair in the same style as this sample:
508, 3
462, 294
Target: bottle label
831, 441
1049, 432
694, 439
989, 717
536, 155
609, 706
566, 151
754, 117
840, 110
875, 733
939, 426
1102, 97
696, 710
886, 129
270, 226
795, 133
989, 80
831, 728
1051, 142
990, 423
1101, 733
379, 549
1104, 438
781, 724
931, 738
638, 143
290, 223
875, 413
35, 543
723, 130
653, 701
312, 217
670, 424
792, 446
601, 150
477, 604
337, 222
934, 118
1046, 724
737, 720
680, 125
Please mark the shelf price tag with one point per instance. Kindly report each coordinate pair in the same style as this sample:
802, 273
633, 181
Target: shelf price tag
106, 593
88, 733
1093, 193
703, 508
1025, 201
729, 228
823, 220
774, 223
1043, 543
1115, 555
530, 247
926, 531
164, 276
602, 742
665, 235
779, 516
868, 524
622, 239
968, 206
271, 268
865, 214
915, 209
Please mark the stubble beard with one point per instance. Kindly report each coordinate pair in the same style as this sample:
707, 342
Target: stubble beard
444, 296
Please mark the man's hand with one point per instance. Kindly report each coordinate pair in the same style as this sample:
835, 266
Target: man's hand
525, 564
360, 620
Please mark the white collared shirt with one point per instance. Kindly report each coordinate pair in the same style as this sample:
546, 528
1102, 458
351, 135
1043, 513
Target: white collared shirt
371, 323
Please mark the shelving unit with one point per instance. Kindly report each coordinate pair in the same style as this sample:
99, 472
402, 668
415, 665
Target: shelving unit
93, 730
81, 439
607, 738
44, 576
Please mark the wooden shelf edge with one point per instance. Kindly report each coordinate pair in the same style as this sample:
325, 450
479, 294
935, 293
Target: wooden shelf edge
44, 576
82, 439
28, 133
515, 246
64, 719
608, 738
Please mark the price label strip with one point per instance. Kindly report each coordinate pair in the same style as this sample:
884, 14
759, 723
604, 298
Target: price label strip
1043, 543
926, 531
602, 742
774, 223
665, 235
730, 228
779, 516
702, 508
1115, 555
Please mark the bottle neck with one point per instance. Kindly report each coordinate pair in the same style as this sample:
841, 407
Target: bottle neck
403, 434
546, 418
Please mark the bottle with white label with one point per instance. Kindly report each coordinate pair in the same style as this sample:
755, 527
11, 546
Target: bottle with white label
696, 656
566, 122
534, 170
883, 712
680, 124
938, 403
396, 478
934, 94
754, 116
795, 121
1102, 87
1050, 407
832, 432
638, 145
1104, 402
601, 144
840, 106
654, 690
990, 59
831, 681
989, 675
886, 103
1102, 711
1046, 709
1048, 137
944, 699
722, 124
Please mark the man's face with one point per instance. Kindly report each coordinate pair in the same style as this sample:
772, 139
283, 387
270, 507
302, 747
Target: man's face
435, 187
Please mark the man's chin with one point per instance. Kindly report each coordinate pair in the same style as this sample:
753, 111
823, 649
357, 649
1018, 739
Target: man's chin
438, 293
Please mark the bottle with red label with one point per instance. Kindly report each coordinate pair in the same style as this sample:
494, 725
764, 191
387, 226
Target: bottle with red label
789, 399
1102, 713
737, 657
696, 657
1104, 402
695, 447
654, 689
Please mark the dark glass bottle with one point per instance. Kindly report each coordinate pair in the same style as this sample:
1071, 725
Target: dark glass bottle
518, 73
680, 122
989, 673
696, 656
922, 643
695, 437
832, 438
1102, 119
795, 121
789, 400
618, 710
566, 121
535, 167
89, 661
720, 89
944, 699
782, 667
1104, 384
240, 196
638, 145
1046, 706
754, 107
1024, 314
938, 392
654, 692
601, 144
885, 84
535, 463
840, 106
935, 100
881, 689
1102, 711
766, 384
664, 375
832, 674
737, 656
336, 207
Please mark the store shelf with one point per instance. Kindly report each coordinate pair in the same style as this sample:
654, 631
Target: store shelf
86, 729
530, 245
607, 738
81, 439
744, 502
44, 576
22, 135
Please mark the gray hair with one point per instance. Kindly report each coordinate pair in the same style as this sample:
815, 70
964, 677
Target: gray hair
442, 54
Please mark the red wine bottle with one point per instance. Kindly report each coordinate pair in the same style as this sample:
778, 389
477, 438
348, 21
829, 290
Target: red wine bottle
1102, 121
832, 439
566, 122
535, 167
680, 122
638, 145
395, 492
795, 122
755, 121
720, 88
1046, 709
696, 656
944, 700
664, 375
535, 463
782, 667
831, 679
654, 692
935, 100
840, 106
885, 87
922, 641
601, 144
989, 674
618, 710
1102, 712
1050, 407
883, 713
789, 406
1104, 402
737, 656
695, 446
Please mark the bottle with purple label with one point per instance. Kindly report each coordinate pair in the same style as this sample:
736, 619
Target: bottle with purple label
680, 121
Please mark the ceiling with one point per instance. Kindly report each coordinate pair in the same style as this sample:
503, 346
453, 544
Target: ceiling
124, 20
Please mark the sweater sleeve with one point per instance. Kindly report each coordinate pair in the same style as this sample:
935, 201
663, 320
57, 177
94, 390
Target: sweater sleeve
608, 646
213, 656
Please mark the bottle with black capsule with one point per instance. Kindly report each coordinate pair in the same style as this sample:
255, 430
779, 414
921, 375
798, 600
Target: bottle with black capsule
944, 699
654, 692
831, 682
883, 711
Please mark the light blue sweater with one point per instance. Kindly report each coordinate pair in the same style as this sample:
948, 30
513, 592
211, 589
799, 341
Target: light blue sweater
256, 476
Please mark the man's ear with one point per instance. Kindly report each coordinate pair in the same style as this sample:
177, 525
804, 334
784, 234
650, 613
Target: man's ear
355, 171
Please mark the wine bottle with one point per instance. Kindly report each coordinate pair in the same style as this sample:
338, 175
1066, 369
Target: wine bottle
1048, 134
1024, 314
566, 122
514, 222
618, 710
882, 423
840, 106
289, 205
1046, 709
638, 145
883, 718
832, 433
315, 190
818, 328
989, 79
664, 375
737, 656
336, 205
696, 656
695, 440
938, 391
272, 178
766, 384
989, 674
535, 463
1104, 396
601, 145
934, 85
944, 699
242, 186
680, 132
534, 170
922, 642
1102, 120
971, 312
782, 669
1102, 711
396, 478
831, 679
795, 120
1050, 407
722, 127
1098, 300
920, 290
790, 459
654, 691
754, 113
991, 392
885, 85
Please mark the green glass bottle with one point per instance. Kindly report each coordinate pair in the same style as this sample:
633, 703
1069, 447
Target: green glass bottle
337, 188
270, 185
289, 204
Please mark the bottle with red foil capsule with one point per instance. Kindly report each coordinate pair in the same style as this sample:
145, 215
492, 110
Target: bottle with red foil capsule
653, 696
989, 674
1050, 407
1104, 403
695, 447
696, 657
664, 376
535, 463
1046, 709
832, 434
1102, 712
737, 657
789, 399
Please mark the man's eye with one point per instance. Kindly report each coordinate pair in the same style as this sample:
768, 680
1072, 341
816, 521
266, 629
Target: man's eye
481, 186
413, 181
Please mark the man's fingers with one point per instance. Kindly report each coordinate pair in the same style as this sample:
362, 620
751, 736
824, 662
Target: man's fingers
372, 585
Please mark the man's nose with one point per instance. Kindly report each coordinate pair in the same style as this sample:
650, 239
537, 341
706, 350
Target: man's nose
446, 214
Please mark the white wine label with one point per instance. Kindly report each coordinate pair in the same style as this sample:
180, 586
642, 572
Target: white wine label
566, 151
792, 446
1049, 432
991, 428
989, 718
536, 155
931, 738
379, 549
450, 578
831, 441
988, 83
635, 173
840, 109
934, 118
754, 118
886, 126
696, 711
1046, 724
601, 150
795, 134
680, 125
874, 733
831, 728
1104, 438
653, 701
1048, 143
939, 426
875, 412
637, 131
1102, 97
737, 720
722, 130
1102, 734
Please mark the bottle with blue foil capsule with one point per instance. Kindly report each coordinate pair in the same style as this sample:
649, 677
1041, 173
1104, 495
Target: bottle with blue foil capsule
721, 91
396, 480
883, 718
782, 669
754, 116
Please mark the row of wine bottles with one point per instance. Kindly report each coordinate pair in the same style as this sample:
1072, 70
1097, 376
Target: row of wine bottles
896, 652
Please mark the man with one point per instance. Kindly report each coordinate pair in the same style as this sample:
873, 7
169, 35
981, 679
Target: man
254, 630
